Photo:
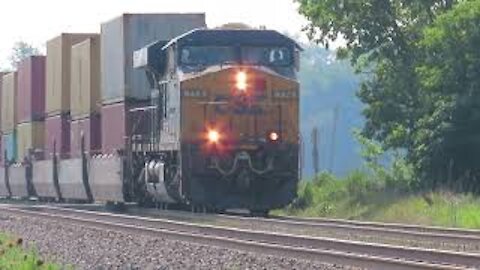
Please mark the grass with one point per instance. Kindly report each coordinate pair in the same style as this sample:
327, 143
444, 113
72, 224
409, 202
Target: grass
14, 257
436, 209
357, 197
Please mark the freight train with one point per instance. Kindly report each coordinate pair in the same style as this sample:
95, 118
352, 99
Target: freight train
217, 127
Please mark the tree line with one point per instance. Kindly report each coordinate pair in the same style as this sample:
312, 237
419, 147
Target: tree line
422, 93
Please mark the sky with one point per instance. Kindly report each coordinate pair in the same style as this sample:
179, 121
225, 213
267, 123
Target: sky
35, 21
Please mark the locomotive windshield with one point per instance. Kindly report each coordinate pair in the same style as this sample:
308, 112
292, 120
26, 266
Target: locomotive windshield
214, 55
203, 55
268, 56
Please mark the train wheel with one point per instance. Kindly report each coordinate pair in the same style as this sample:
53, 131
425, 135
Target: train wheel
198, 208
220, 211
259, 212
118, 207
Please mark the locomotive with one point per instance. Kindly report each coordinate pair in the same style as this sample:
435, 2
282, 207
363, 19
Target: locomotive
224, 115
220, 131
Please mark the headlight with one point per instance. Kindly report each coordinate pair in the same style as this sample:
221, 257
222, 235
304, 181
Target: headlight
241, 81
273, 136
213, 136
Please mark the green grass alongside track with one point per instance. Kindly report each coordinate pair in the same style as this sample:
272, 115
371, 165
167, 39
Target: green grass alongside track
358, 198
14, 257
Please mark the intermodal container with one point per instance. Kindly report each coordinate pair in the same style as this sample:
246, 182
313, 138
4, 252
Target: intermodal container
30, 139
90, 129
85, 78
1, 154
9, 97
58, 72
1, 93
57, 136
9, 146
1, 85
120, 121
128, 33
31, 89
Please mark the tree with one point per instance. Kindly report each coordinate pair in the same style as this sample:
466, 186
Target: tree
381, 41
450, 71
20, 51
422, 95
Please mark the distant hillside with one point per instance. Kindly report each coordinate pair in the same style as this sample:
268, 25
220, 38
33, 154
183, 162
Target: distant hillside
327, 83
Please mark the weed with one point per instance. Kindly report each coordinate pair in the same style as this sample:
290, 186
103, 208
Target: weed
14, 257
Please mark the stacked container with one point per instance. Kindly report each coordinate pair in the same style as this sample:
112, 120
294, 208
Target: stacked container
85, 97
1, 148
30, 107
9, 97
57, 123
123, 87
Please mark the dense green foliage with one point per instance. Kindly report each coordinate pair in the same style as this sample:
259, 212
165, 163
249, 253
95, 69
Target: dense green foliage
422, 92
448, 140
13, 257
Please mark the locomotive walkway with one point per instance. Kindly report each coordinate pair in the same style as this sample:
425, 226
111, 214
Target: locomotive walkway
334, 251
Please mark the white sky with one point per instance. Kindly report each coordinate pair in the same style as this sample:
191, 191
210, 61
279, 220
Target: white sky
36, 21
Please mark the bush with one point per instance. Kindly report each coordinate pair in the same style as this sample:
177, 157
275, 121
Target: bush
401, 177
305, 196
360, 185
318, 193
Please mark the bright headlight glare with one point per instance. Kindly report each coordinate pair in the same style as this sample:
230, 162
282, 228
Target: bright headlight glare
213, 136
274, 136
241, 79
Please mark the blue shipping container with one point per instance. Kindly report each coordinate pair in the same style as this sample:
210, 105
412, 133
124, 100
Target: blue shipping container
9, 144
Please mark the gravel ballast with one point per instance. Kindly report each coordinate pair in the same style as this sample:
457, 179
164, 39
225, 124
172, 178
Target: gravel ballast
90, 248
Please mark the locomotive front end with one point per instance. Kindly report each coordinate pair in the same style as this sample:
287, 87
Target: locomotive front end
240, 120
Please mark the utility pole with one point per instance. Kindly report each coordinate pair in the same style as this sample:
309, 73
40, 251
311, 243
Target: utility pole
315, 153
334, 137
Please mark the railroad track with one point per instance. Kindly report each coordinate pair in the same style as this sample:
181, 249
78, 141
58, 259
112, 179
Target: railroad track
448, 238
457, 238
464, 236
399, 231
334, 251
381, 225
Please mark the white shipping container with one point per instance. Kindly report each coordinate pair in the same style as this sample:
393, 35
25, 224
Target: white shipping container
85, 78
58, 72
9, 99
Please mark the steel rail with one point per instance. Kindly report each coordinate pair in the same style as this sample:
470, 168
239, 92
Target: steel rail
384, 230
398, 226
379, 250
387, 230
448, 236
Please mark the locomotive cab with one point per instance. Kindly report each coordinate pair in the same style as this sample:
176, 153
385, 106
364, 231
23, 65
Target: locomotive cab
224, 118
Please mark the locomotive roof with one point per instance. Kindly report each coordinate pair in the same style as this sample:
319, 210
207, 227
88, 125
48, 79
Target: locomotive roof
227, 37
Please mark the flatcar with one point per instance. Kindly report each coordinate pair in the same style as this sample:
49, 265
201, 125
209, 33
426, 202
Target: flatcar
220, 131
